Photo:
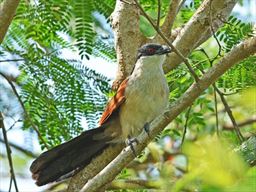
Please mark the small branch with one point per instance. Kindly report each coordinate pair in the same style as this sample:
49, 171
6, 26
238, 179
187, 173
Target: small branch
240, 124
21, 149
186, 125
158, 14
24, 109
227, 107
230, 114
238, 53
170, 17
216, 111
7, 11
8, 151
11, 60
213, 33
168, 42
181, 4
197, 29
134, 184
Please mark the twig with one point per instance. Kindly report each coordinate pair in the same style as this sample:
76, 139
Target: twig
134, 184
21, 149
24, 109
213, 33
185, 60
237, 54
129, 3
11, 60
230, 114
216, 111
158, 14
16, 121
240, 124
186, 125
181, 4
8, 151
223, 100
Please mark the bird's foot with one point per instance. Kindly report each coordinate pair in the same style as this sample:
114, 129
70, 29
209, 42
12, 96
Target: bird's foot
146, 128
130, 142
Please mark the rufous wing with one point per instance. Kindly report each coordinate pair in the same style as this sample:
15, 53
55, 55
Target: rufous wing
115, 102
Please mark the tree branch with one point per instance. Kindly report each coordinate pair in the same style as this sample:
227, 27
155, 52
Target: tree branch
8, 151
7, 11
198, 29
128, 38
242, 51
230, 114
170, 17
174, 49
21, 149
95, 166
24, 109
230, 127
134, 184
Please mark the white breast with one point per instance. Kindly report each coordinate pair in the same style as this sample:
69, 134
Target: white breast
146, 95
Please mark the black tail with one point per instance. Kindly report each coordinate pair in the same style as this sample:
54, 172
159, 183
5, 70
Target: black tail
68, 157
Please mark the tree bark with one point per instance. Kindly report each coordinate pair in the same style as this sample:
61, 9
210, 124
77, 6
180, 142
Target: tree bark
125, 23
7, 11
109, 173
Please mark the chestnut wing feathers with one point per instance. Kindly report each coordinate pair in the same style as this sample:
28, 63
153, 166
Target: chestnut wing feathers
114, 104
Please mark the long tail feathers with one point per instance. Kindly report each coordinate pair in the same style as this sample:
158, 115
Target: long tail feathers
69, 157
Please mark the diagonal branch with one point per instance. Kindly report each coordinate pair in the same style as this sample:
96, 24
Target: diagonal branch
198, 29
230, 114
8, 151
175, 50
170, 17
7, 11
21, 149
24, 109
237, 54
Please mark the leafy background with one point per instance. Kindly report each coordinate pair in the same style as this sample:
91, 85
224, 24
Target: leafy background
62, 96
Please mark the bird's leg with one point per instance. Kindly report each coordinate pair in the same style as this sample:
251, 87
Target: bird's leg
130, 141
146, 127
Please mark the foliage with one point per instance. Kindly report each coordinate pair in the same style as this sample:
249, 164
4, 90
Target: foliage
62, 95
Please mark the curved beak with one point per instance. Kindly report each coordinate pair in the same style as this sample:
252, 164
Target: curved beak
165, 49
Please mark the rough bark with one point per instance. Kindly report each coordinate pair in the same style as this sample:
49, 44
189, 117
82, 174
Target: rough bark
125, 21
7, 11
198, 29
236, 55
125, 24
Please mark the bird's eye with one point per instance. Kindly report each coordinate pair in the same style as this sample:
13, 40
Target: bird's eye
151, 50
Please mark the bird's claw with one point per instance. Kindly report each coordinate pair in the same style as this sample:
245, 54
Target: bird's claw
130, 141
146, 128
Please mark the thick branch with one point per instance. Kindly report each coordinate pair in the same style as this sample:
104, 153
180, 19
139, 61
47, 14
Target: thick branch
96, 165
7, 11
170, 17
125, 24
237, 54
198, 29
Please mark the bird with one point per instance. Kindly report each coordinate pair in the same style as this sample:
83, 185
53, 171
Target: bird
140, 98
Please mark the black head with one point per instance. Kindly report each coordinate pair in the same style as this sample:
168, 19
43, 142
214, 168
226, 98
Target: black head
153, 49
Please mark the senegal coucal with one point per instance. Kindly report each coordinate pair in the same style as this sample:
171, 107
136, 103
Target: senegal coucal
140, 98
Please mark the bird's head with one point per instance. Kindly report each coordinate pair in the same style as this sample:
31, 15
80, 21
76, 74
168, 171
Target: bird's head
153, 49
152, 54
